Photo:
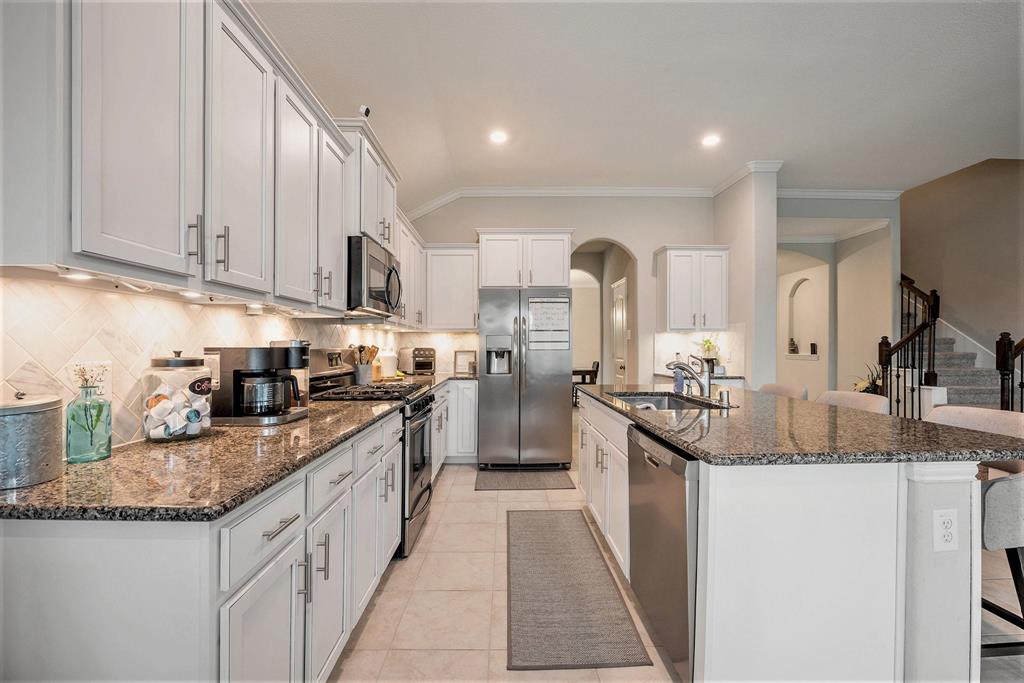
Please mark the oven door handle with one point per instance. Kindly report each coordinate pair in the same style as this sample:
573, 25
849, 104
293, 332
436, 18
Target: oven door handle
413, 426
426, 505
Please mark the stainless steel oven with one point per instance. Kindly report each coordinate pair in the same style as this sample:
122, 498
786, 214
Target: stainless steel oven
418, 465
374, 279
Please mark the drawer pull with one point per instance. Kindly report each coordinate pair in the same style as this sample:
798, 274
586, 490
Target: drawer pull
326, 545
285, 523
397, 432
376, 448
651, 461
340, 478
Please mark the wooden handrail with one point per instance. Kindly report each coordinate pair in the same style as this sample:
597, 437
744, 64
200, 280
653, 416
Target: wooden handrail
1007, 354
914, 351
909, 337
909, 285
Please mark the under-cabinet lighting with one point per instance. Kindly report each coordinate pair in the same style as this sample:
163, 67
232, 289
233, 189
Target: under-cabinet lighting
72, 275
189, 294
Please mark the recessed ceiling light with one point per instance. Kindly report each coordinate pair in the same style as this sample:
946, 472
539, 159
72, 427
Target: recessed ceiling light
499, 137
711, 139
189, 294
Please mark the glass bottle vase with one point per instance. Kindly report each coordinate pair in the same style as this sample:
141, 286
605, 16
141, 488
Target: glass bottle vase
88, 427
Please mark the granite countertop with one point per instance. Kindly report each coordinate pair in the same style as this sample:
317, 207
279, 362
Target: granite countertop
774, 430
193, 481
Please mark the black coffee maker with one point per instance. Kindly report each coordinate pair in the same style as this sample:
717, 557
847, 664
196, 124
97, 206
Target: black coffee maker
255, 385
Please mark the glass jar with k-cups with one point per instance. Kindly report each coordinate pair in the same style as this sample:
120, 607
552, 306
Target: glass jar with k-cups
176, 398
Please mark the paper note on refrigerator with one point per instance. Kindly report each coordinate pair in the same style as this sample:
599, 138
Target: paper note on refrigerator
549, 315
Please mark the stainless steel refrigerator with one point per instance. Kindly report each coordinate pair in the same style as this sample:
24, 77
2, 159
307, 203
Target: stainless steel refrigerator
525, 409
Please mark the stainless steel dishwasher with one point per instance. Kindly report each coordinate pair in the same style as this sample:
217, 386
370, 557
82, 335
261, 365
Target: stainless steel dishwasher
663, 543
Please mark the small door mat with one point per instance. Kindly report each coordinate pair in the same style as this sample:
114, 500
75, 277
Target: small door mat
522, 480
564, 608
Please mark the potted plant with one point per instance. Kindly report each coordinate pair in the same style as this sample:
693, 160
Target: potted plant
872, 384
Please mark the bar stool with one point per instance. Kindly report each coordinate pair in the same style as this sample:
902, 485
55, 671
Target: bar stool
1002, 506
873, 403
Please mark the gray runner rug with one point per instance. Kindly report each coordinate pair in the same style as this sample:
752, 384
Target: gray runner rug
520, 480
564, 608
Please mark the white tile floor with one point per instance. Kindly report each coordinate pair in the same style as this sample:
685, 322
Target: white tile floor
441, 614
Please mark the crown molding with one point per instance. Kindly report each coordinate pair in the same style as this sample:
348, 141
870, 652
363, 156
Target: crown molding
744, 171
832, 239
556, 191
875, 195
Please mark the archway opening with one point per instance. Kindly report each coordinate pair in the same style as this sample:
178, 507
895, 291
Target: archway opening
609, 339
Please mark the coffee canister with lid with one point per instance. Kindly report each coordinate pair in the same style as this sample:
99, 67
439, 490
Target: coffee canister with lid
176, 398
31, 440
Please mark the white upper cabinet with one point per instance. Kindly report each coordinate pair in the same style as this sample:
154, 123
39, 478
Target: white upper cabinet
547, 260
693, 289
378, 186
295, 227
334, 196
452, 288
239, 233
388, 206
421, 285
501, 260
524, 259
137, 103
408, 261
714, 290
371, 172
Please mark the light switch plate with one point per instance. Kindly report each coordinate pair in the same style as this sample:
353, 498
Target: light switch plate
945, 530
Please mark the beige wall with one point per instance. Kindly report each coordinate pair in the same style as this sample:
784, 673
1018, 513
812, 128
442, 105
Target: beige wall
640, 225
809, 323
963, 234
863, 302
586, 325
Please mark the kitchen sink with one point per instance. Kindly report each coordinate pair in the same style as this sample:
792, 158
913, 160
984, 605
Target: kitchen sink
662, 401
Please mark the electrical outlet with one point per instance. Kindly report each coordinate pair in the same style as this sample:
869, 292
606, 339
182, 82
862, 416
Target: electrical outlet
945, 531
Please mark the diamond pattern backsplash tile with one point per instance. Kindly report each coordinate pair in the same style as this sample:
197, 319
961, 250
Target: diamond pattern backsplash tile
49, 326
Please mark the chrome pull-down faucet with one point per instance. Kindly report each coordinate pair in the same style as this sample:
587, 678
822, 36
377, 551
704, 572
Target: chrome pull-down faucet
703, 379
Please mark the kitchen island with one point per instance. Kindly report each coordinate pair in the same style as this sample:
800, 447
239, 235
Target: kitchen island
813, 554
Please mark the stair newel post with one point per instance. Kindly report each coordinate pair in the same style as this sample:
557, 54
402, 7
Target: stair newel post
931, 378
885, 366
1004, 364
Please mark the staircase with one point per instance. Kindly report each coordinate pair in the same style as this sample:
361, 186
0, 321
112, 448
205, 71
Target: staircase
966, 384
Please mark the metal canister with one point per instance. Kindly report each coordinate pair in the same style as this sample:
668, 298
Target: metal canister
31, 440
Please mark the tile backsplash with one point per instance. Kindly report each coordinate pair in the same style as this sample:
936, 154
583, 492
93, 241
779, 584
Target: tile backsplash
49, 326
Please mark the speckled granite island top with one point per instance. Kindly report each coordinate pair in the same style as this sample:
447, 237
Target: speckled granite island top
193, 481
773, 430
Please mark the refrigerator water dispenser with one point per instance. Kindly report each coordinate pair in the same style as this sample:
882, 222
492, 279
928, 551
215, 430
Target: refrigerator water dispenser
499, 354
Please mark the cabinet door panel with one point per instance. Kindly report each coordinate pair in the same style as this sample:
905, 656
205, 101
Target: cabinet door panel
262, 627
714, 291
618, 506
241, 92
331, 223
501, 261
465, 436
599, 480
682, 293
327, 540
388, 197
547, 261
295, 226
138, 116
365, 537
407, 262
370, 205
451, 289
391, 508
421, 286
583, 458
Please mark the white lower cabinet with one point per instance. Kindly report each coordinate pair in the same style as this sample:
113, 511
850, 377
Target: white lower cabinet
439, 437
391, 508
366, 536
262, 628
327, 624
604, 475
462, 404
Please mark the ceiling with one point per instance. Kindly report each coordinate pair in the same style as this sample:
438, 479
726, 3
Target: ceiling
826, 229
851, 96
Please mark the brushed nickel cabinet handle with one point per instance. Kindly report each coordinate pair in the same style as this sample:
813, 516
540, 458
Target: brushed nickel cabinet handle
693, 320
396, 432
318, 275
376, 448
306, 578
704, 319
531, 276
282, 525
384, 493
326, 545
198, 227
226, 236
329, 292
391, 468
340, 478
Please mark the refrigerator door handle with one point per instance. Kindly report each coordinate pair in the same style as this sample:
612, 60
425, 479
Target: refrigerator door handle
515, 354
522, 335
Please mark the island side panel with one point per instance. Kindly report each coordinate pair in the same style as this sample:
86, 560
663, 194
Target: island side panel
797, 575
105, 600
943, 580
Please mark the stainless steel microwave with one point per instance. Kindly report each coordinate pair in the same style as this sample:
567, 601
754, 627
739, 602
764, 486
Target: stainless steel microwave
374, 280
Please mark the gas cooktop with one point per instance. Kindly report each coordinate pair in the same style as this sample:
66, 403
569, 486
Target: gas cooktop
382, 391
